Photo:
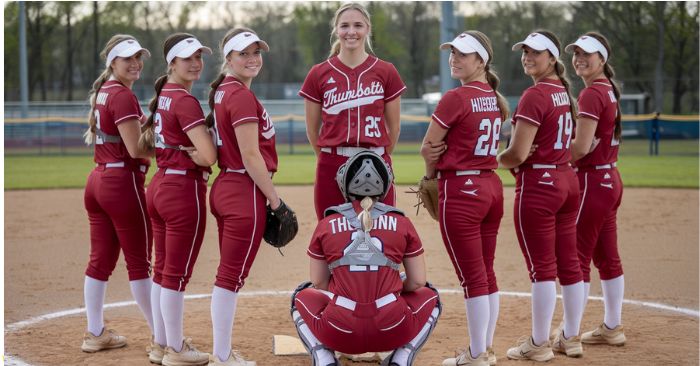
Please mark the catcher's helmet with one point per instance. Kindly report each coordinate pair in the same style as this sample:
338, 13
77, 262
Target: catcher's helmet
365, 174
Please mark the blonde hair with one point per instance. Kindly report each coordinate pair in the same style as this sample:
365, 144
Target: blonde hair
560, 69
335, 42
209, 121
610, 74
491, 76
89, 135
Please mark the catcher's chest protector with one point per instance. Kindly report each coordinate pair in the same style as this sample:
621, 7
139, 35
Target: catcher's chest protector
362, 252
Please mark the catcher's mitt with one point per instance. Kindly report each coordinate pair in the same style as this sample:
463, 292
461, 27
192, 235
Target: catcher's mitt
281, 225
427, 195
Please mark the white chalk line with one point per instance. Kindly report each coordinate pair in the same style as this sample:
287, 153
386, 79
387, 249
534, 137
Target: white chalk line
16, 361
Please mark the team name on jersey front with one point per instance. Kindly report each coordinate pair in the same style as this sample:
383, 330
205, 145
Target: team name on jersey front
334, 103
383, 222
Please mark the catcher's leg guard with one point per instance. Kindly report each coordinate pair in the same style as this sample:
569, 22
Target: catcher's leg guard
302, 286
413, 347
320, 355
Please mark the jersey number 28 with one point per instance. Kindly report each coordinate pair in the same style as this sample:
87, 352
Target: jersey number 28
487, 144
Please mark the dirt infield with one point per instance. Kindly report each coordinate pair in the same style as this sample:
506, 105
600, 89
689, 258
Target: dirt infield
46, 249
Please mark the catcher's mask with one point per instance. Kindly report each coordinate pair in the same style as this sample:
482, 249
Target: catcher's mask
365, 174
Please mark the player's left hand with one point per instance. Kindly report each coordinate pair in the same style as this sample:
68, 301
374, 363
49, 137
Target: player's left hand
594, 144
281, 225
432, 151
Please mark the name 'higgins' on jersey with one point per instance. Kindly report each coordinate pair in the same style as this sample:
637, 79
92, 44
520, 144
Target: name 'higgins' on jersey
383, 222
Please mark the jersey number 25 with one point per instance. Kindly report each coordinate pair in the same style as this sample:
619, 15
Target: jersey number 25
487, 144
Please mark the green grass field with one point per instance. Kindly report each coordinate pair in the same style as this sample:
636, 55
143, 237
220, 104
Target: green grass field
46, 172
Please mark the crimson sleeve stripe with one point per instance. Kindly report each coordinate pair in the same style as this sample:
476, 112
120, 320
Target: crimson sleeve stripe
436, 119
193, 124
589, 114
253, 119
395, 94
527, 119
315, 255
125, 117
301, 93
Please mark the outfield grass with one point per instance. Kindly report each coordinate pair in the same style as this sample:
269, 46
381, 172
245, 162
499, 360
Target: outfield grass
42, 172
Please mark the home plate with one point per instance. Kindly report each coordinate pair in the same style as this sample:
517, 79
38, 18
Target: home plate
284, 345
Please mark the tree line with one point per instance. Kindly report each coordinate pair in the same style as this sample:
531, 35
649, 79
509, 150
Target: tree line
655, 44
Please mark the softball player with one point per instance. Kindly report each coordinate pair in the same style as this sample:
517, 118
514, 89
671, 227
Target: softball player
468, 120
247, 157
114, 193
177, 194
359, 303
352, 102
546, 198
599, 120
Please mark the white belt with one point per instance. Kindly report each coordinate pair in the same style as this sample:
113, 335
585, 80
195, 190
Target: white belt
606, 166
205, 175
460, 173
543, 166
349, 151
242, 171
120, 164
344, 302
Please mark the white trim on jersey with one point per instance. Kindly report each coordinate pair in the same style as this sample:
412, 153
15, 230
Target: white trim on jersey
395, 94
113, 85
252, 237
589, 114
243, 119
194, 238
306, 308
583, 197
193, 123
310, 97
554, 85
414, 252
527, 118
143, 215
359, 82
520, 226
230, 82
176, 89
423, 304
600, 83
125, 117
477, 88
438, 120
315, 254
347, 139
462, 279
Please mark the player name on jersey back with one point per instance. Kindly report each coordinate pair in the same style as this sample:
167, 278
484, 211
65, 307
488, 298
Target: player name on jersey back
485, 104
334, 103
560, 99
382, 222
164, 103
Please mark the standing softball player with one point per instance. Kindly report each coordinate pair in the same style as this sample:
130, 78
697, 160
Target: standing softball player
247, 158
599, 120
352, 102
468, 120
359, 302
546, 198
177, 194
114, 194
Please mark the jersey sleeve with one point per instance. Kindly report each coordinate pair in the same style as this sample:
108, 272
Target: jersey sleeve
242, 108
124, 106
394, 86
315, 249
310, 90
414, 247
590, 104
449, 110
531, 107
189, 113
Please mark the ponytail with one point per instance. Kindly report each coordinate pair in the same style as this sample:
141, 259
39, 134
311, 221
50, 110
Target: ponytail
610, 74
89, 134
561, 73
365, 216
501, 101
209, 121
147, 138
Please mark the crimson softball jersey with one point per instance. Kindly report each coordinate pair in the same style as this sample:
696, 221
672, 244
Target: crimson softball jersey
115, 103
178, 112
547, 106
352, 100
472, 116
598, 102
235, 104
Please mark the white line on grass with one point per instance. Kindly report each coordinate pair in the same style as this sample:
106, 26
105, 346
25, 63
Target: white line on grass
16, 361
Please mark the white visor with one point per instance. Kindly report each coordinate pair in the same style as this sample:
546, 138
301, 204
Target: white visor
538, 42
243, 40
589, 45
125, 48
466, 43
186, 48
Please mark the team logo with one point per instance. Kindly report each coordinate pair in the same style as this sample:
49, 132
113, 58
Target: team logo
330, 80
462, 35
471, 193
608, 185
334, 102
584, 37
247, 35
532, 35
190, 40
546, 175
468, 182
607, 176
130, 41
268, 129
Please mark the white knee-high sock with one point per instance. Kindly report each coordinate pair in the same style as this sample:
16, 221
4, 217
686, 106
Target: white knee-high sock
223, 312
172, 306
94, 292
613, 294
586, 292
477, 323
158, 323
141, 290
323, 355
494, 308
544, 298
572, 297
402, 353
